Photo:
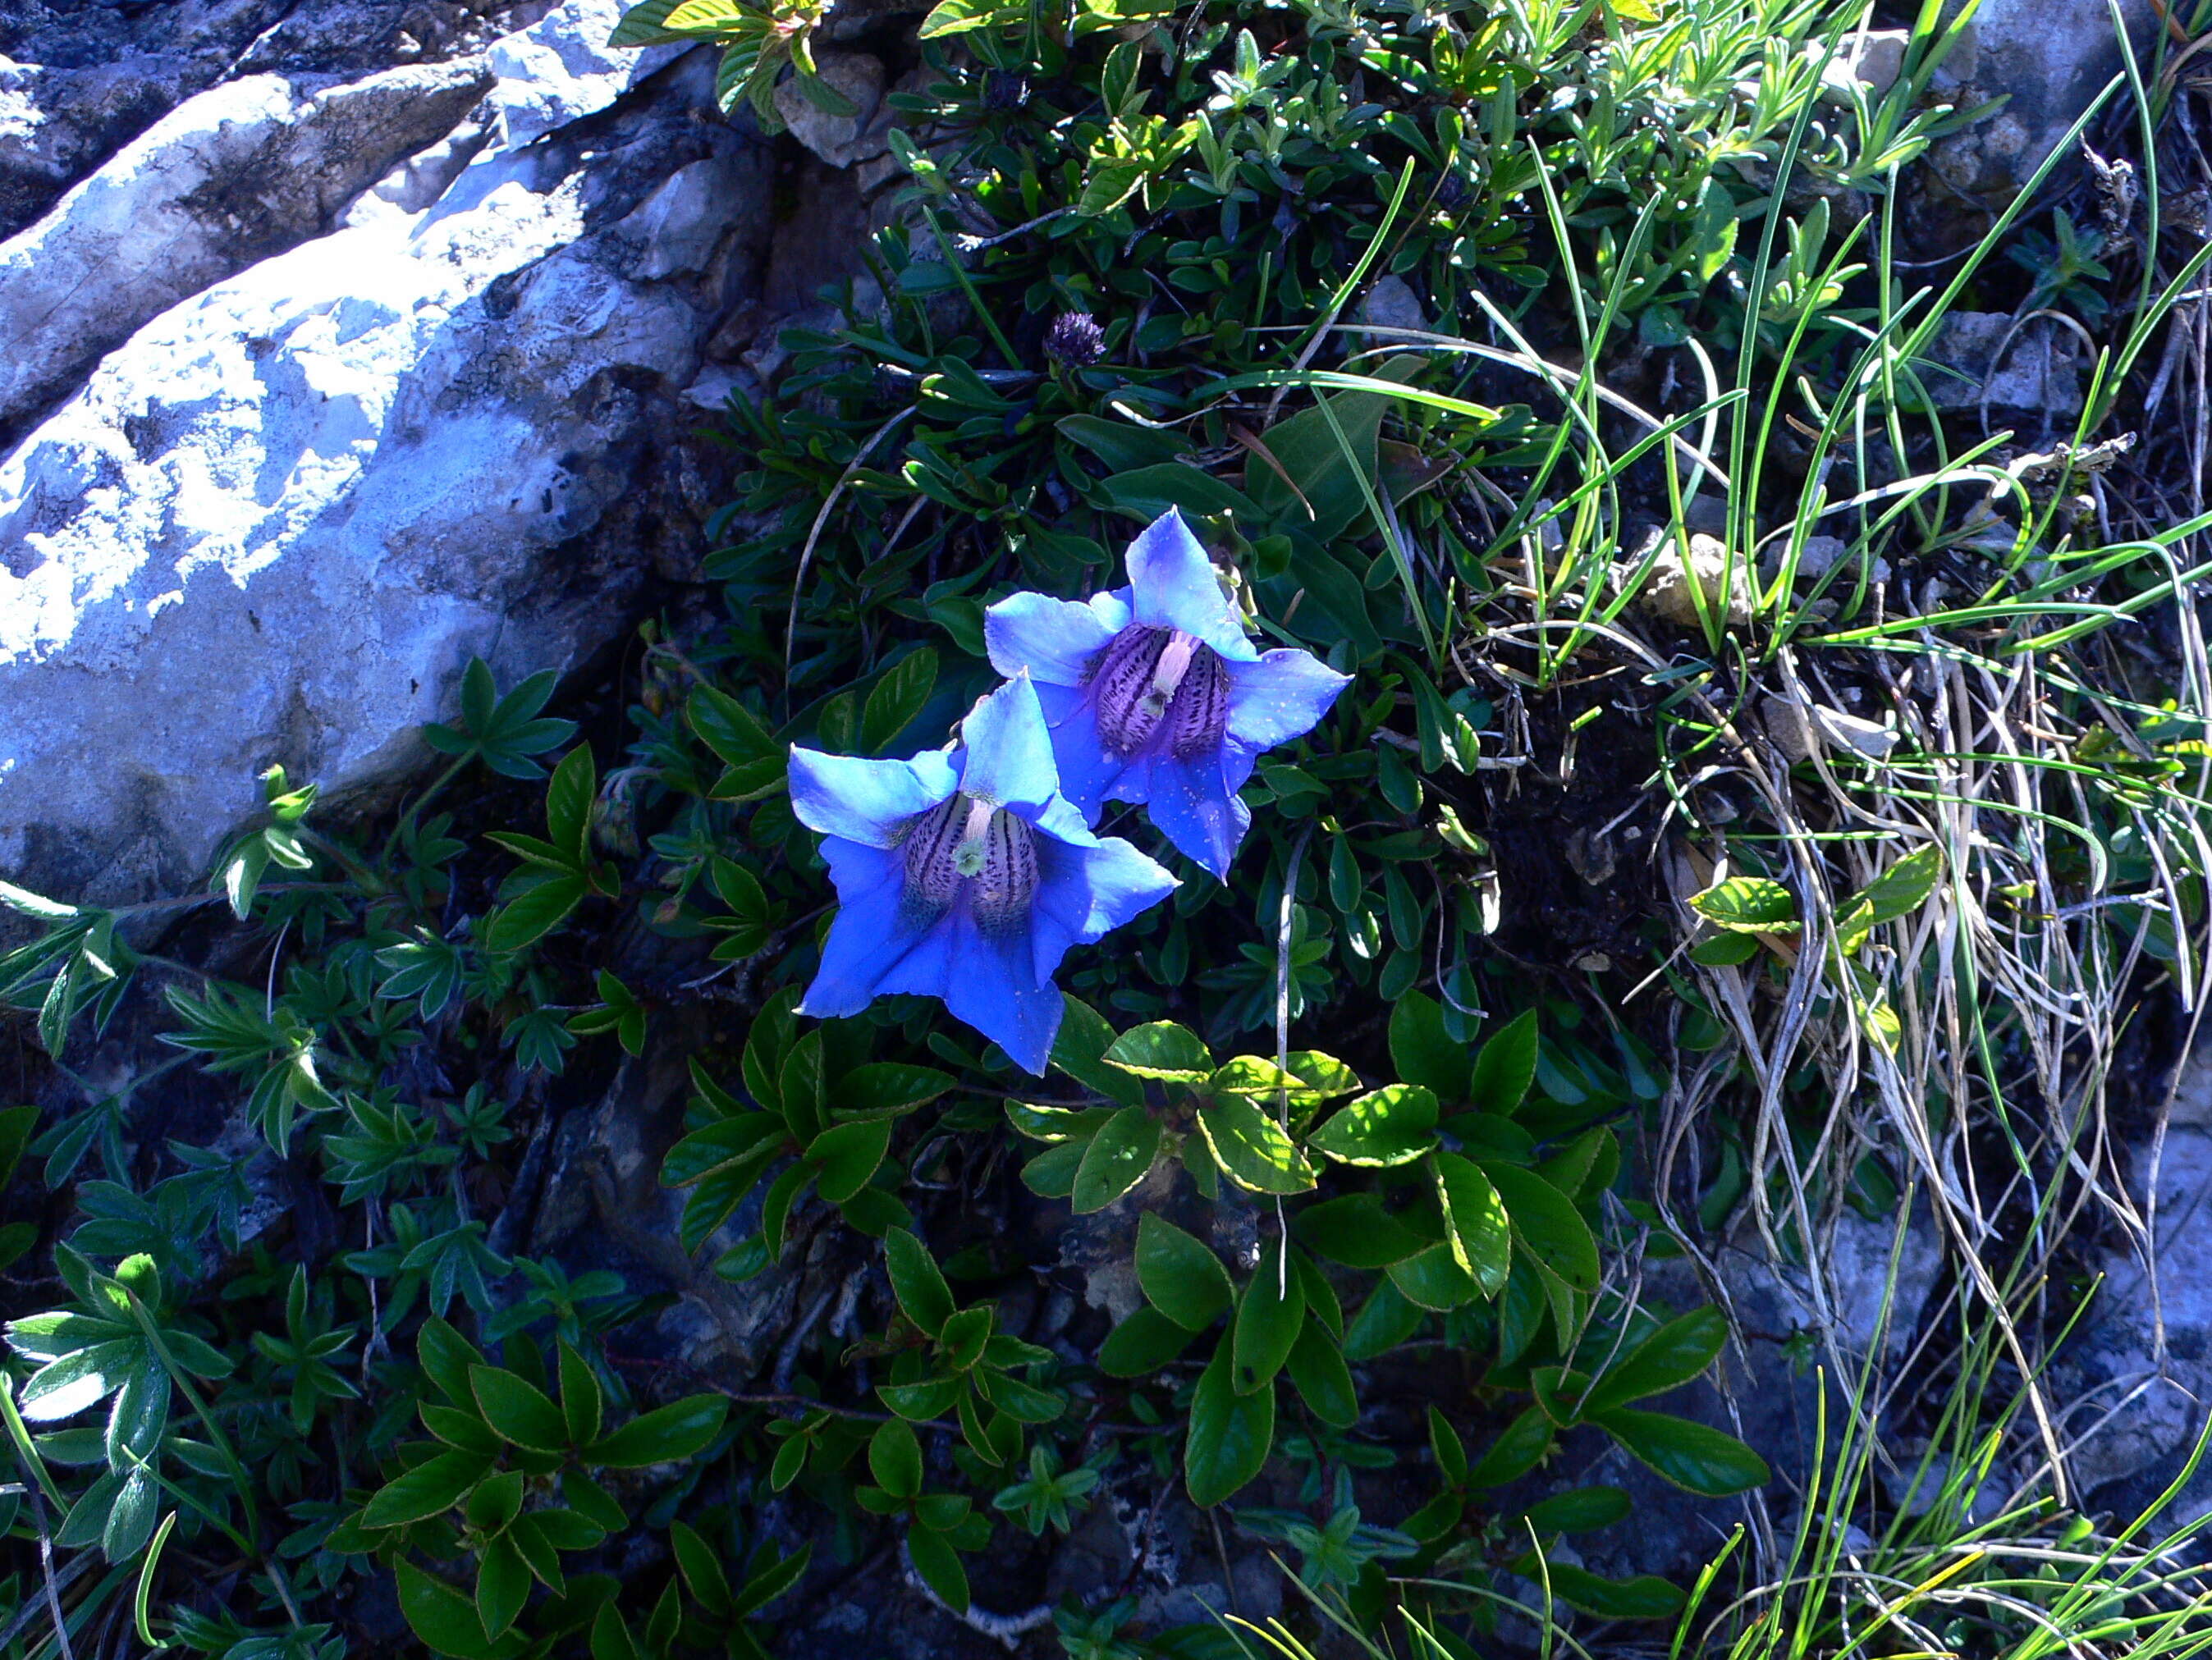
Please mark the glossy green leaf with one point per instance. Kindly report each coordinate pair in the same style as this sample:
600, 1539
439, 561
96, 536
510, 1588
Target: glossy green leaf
1690, 1455
1674, 1355
1163, 1051
1506, 1067
1475, 1226
1423, 1053
917, 1281
1393, 1125
1230, 1435
663, 1436
1270, 1313
1117, 1159
1142, 1344
1318, 1373
1749, 904
1253, 1148
518, 1410
1181, 1276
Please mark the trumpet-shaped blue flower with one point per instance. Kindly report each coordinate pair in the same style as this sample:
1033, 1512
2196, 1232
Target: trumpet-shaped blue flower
964, 875
1154, 694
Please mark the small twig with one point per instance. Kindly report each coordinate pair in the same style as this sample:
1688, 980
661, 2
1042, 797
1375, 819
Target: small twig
1005, 1629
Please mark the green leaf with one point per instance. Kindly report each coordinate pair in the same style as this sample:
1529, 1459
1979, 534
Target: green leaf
1322, 494
496, 1501
938, 1565
661, 1436
889, 1087
1475, 1226
846, 1155
919, 1402
1122, 445
1162, 1049
1450, 1452
1579, 1510
1385, 1320
445, 1358
21, 900
1675, 1354
582, 1401
502, 1587
1323, 1380
1646, 1597
443, 1619
1356, 1231
1725, 950
1230, 1435
958, 17
895, 1459
1269, 1315
131, 1517
916, 1282
1545, 1221
1253, 1148
764, 1586
1515, 1452
1142, 1344
1080, 1049
1506, 1067
1180, 1276
1690, 1455
1749, 904
1117, 1159
1393, 1125
896, 698
532, 914
569, 804
431, 1488
1423, 1053
519, 1411
16, 1124
1434, 1279
757, 763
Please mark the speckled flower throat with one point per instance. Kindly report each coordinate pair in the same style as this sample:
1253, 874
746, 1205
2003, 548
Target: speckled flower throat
1148, 676
972, 843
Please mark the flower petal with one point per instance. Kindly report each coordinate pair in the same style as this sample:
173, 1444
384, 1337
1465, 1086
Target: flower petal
1174, 586
875, 936
866, 800
1053, 640
1008, 758
1087, 768
1281, 697
1121, 883
992, 983
1196, 807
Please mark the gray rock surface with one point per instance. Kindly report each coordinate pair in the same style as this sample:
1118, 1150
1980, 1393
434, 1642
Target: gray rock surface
239, 171
2048, 60
79, 79
2137, 1380
273, 522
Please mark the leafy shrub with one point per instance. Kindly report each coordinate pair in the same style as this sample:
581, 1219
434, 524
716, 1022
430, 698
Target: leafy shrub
1135, 269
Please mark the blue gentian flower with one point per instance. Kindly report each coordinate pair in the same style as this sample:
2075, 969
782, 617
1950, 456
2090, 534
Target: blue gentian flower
964, 875
1155, 695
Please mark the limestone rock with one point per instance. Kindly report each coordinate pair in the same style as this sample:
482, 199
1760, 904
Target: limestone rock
273, 522
243, 170
77, 82
2047, 63
1667, 595
561, 69
840, 140
2031, 366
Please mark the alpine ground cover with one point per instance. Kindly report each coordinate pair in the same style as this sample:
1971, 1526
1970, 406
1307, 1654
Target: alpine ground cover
1429, 549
